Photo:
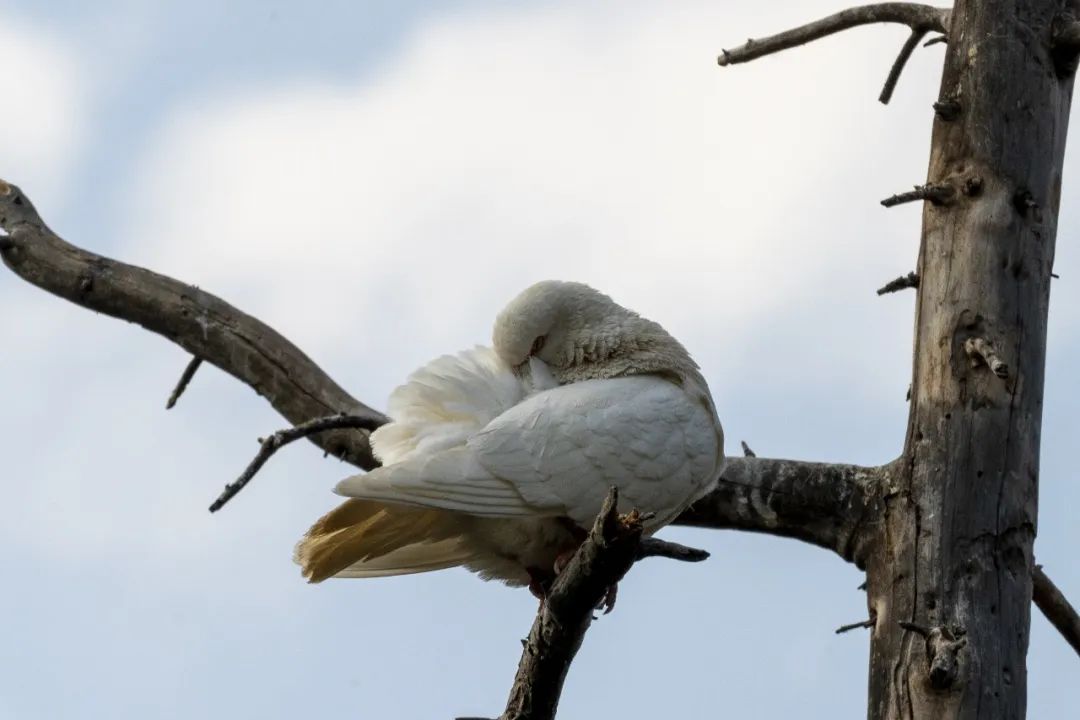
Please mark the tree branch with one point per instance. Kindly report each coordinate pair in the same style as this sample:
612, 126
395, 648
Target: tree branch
898, 65
1056, 607
200, 323
566, 613
911, 280
281, 438
183, 382
920, 18
829, 505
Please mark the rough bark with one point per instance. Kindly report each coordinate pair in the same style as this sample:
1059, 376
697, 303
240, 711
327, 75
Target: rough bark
954, 556
203, 324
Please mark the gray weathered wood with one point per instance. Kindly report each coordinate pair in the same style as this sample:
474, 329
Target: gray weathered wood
954, 555
201, 323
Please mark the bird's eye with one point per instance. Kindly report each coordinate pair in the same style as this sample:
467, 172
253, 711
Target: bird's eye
538, 345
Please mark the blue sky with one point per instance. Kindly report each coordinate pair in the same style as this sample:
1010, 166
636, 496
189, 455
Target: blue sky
375, 180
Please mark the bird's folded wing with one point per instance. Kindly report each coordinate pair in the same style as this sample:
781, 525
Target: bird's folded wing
567, 446
448, 480
558, 452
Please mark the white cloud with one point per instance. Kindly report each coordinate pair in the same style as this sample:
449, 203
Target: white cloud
43, 107
499, 150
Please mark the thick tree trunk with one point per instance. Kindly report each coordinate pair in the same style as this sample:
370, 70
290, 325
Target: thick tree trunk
953, 560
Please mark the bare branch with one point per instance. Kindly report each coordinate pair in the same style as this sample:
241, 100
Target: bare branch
833, 506
923, 18
855, 626
936, 194
898, 65
197, 321
182, 383
982, 352
655, 547
1056, 607
937, 39
567, 611
283, 437
746, 451
911, 280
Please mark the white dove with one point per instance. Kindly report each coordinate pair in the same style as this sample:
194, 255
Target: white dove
499, 459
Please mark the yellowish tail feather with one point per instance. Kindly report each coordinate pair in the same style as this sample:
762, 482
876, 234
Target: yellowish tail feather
366, 538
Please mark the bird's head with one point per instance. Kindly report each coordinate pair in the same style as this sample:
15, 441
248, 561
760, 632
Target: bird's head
580, 333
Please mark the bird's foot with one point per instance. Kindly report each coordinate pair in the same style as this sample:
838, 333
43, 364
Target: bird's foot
563, 559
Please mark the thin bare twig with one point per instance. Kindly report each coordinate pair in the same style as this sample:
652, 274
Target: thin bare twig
1056, 607
898, 65
283, 437
911, 280
943, 39
924, 18
854, 626
185, 379
936, 194
746, 451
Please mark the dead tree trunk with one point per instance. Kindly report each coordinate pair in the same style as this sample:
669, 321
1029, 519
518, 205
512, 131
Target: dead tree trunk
945, 531
953, 562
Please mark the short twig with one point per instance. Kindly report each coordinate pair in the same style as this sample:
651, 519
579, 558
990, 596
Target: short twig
746, 451
854, 626
911, 280
1056, 607
944, 39
947, 109
936, 194
913, 627
924, 18
283, 437
898, 65
981, 351
181, 385
654, 547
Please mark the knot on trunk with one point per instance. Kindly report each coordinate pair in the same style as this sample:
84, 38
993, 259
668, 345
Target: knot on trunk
943, 646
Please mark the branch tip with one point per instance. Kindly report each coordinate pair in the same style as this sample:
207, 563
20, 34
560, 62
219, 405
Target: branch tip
911, 280
855, 626
746, 451
182, 383
898, 65
936, 194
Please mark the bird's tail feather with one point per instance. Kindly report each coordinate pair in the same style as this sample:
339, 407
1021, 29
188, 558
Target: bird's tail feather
368, 538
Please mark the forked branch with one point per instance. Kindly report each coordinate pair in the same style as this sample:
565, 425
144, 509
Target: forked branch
584, 585
920, 18
200, 323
